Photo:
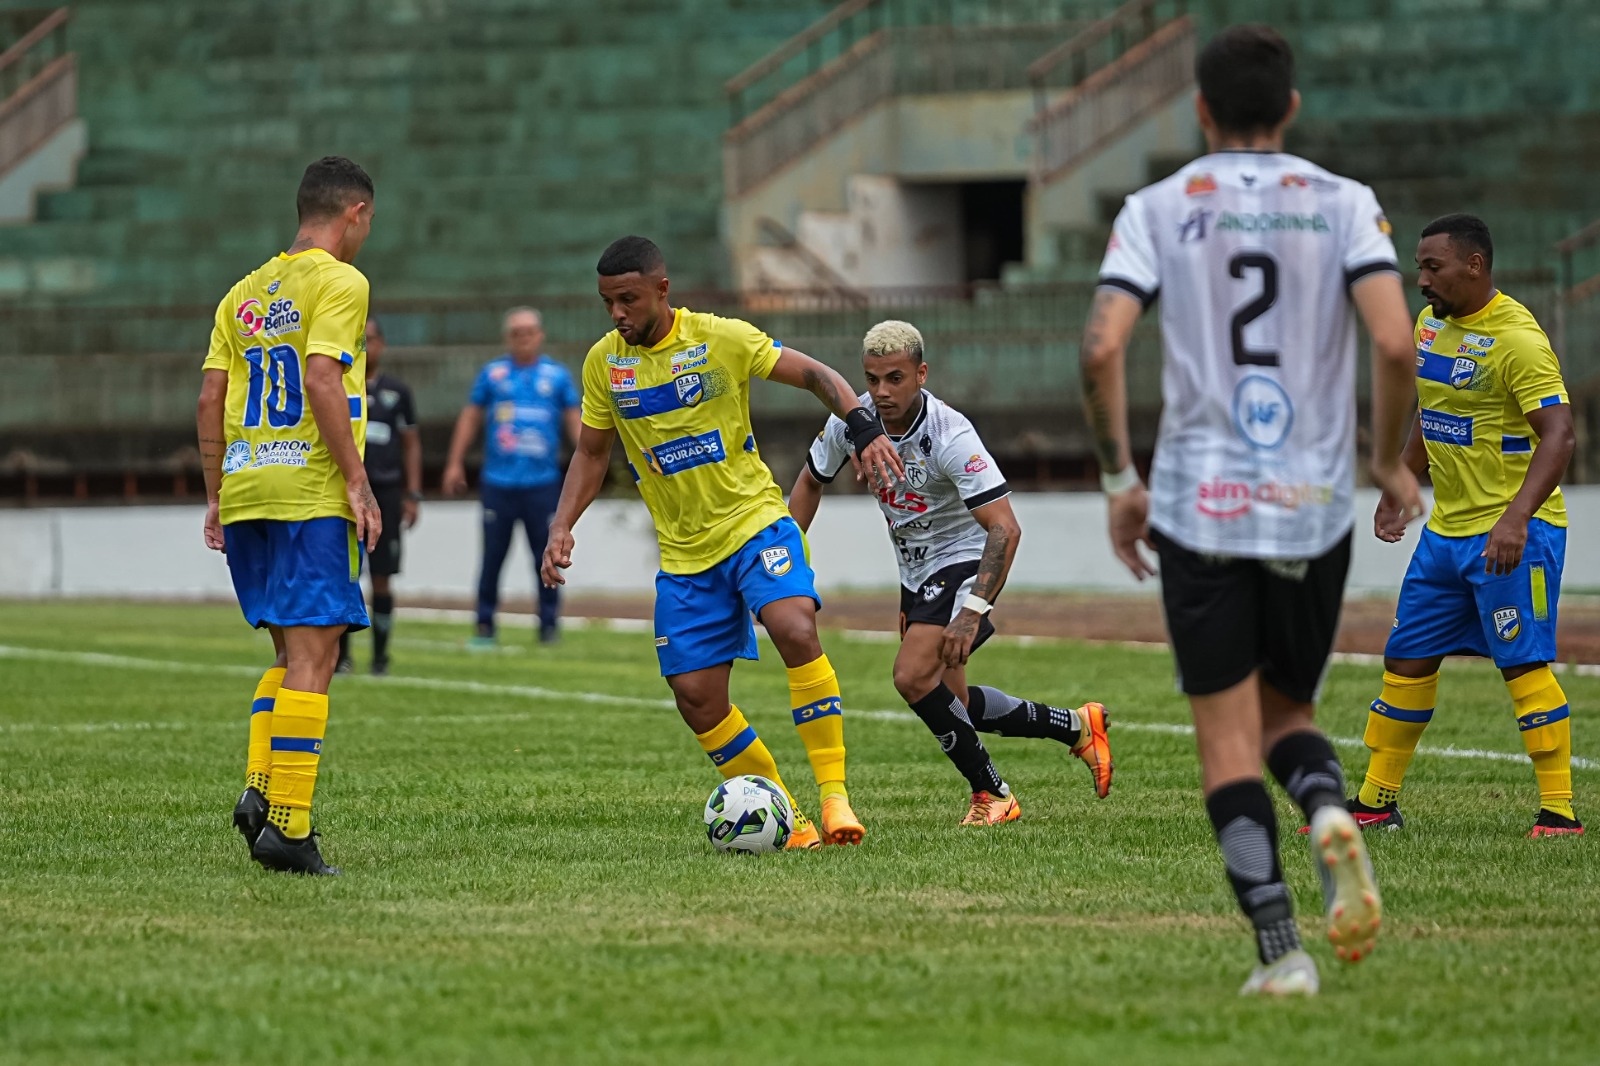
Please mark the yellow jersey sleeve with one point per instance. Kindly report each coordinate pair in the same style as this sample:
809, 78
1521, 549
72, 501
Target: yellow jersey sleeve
220, 355
1532, 372
341, 313
596, 413
758, 351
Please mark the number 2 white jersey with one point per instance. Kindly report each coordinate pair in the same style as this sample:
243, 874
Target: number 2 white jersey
1252, 255
949, 474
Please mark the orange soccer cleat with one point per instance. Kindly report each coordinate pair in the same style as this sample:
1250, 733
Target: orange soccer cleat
989, 809
839, 823
804, 835
1094, 747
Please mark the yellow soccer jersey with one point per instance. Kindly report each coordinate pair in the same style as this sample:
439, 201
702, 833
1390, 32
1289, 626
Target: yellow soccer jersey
1477, 377
682, 409
291, 308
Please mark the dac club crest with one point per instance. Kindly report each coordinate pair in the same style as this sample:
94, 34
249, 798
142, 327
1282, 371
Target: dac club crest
690, 389
776, 561
1507, 623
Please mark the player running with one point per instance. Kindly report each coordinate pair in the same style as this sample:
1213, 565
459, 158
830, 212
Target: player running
675, 385
953, 527
281, 424
1496, 433
1257, 257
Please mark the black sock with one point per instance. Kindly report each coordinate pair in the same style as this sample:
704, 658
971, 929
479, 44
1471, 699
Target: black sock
942, 713
344, 645
382, 622
1247, 831
1307, 768
995, 712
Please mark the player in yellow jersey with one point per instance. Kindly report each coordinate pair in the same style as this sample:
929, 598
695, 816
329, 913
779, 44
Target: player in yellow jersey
1496, 434
282, 420
674, 384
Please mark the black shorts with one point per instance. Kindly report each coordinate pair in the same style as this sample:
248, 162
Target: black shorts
1229, 616
385, 558
939, 600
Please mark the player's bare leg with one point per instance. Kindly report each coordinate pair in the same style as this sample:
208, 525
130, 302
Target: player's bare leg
1304, 763
729, 740
818, 709
250, 812
299, 722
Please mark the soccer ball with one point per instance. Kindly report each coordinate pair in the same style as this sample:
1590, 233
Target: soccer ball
748, 814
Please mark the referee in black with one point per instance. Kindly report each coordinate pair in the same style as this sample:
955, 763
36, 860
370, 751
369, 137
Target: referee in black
394, 466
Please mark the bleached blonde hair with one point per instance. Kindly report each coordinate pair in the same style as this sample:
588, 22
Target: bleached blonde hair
893, 335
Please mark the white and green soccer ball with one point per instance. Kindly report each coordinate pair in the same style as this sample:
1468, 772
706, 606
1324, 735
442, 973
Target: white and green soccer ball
748, 814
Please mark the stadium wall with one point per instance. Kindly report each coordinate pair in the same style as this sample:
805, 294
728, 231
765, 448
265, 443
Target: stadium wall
156, 553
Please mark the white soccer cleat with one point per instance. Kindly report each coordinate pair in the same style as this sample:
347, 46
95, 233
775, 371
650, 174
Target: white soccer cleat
1349, 888
1294, 974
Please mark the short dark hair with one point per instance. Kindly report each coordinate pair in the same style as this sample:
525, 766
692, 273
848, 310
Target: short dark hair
628, 255
330, 185
1468, 230
1246, 76
372, 320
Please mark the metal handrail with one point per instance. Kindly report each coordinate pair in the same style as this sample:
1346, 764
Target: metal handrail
1077, 47
786, 51
13, 72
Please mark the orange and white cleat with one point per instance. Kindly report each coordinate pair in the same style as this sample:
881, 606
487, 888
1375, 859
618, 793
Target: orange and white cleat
804, 835
839, 822
1094, 747
1348, 887
989, 809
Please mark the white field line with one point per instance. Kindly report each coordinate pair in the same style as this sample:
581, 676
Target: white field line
885, 636
480, 688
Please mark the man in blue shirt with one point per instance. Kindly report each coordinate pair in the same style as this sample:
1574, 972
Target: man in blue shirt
526, 399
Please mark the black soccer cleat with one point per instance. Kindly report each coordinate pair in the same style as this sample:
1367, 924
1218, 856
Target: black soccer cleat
1551, 824
380, 667
277, 852
249, 815
1385, 817
345, 665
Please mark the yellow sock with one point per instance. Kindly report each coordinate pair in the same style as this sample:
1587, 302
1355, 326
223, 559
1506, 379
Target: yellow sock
258, 764
1546, 725
299, 720
819, 719
1394, 725
733, 745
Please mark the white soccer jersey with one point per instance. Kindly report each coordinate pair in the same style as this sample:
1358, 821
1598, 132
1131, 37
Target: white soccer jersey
1252, 255
949, 474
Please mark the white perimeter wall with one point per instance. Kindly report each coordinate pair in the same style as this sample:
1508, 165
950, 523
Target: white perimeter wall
156, 551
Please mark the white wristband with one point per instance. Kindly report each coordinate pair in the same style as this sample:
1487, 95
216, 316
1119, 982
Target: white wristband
976, 604
1120, 482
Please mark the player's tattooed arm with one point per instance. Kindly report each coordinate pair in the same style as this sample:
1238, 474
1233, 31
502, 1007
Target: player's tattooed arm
1102, 360
878, 457
998, 551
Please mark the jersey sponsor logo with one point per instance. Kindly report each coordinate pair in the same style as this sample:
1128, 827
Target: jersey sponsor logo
1464, 370
926, 444
1200, 185
281, 453
1262, 412
916, 474
1294, 181
545, 387
1272, 222
1478, 340
1223, 499
1443, 428
237, 457
1383, 225
690, 359
911, 554
1433, 323
614, 359
661, 642
624, 379
282, 317
378, 433
690, 389
776, 561
976, 465
686, 453
388, 397
1425, 339
1467, 349
1507, 624
248, 318
1193, 228
909, 501
499, 373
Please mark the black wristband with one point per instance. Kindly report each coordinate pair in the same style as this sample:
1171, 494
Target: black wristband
862, 427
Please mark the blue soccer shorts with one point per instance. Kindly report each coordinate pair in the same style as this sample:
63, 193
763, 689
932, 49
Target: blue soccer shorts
704, 619
297, 573
1449, 606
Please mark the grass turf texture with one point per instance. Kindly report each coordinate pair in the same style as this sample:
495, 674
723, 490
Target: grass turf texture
527, 879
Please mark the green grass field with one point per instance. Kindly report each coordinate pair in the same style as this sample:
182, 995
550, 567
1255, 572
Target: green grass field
527, 878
